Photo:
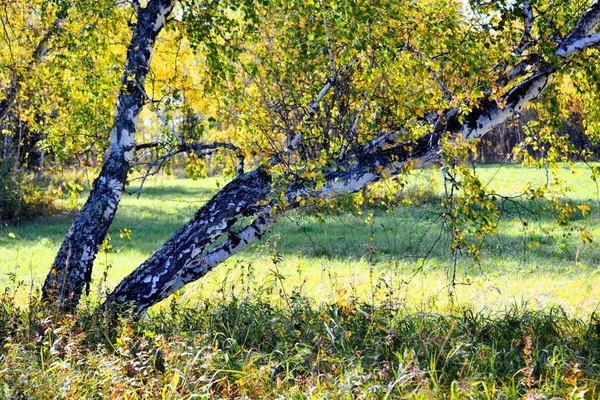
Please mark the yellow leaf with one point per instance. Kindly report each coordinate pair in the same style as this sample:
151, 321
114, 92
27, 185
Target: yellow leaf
175, 380
585, 208
11, 235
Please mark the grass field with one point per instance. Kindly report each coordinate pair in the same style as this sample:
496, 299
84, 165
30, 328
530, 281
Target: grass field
354, 305
406, 253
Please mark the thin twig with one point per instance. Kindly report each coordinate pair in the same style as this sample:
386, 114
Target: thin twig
329, 43
433, 74
295, 142
354, 128
201, 149
526, 41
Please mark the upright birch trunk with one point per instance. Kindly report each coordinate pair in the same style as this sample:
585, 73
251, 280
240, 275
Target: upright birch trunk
72, 268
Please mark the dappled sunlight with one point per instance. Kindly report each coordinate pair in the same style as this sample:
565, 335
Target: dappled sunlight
348, 242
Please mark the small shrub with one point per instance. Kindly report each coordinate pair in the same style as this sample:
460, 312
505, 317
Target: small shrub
20, 197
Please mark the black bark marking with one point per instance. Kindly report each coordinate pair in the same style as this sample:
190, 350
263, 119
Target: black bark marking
234, 238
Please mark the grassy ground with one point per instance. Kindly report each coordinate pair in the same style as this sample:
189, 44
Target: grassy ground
245, 347
346, 305
406, 254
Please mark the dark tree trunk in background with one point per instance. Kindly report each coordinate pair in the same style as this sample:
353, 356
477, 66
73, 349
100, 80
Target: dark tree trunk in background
10, 119
72, 268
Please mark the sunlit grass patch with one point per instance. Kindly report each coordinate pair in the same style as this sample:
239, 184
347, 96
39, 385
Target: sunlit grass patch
402, 249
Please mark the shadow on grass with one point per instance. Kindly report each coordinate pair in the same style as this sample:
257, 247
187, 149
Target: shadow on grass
160, 191
416, 236
411, 235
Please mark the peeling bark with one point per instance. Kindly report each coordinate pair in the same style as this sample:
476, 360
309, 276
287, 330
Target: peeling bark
585, 24
180, 260
577, 46
483, 119
72, 268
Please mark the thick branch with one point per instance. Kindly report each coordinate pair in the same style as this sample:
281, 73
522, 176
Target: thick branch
484, 118
164, 271
576, 46
521, 69
585, 24
196, 267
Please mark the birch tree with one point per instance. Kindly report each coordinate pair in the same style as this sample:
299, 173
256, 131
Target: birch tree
332, 97
72, 267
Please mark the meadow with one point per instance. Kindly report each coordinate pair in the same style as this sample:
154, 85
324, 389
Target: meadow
354, 303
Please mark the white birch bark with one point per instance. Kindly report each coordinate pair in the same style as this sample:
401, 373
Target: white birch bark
72, 267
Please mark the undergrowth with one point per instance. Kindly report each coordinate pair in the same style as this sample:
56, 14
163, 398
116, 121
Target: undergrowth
21, 197
249, 347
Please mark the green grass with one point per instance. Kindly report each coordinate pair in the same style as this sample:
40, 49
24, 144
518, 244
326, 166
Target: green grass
346, 305
406, 253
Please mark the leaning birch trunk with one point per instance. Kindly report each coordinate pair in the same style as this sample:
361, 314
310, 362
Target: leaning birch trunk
72, 268
164, 272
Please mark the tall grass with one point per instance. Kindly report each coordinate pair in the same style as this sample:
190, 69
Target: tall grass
245, 345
